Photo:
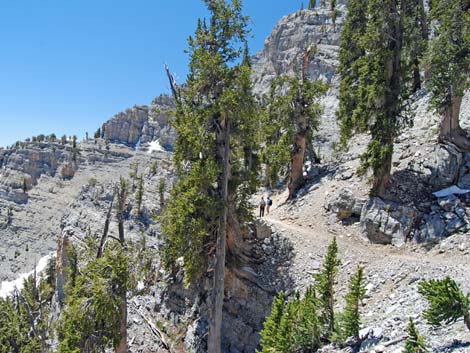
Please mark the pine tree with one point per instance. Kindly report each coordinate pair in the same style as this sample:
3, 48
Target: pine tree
214, 121
324, 286
311, 4
351, 319
414, 342
351, 53
378, 102
447, 303
293, 113
161, 191
271, 325
449, 65
97, 134
139, 194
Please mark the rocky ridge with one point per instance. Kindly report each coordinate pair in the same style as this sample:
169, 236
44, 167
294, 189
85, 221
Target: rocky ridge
289, 247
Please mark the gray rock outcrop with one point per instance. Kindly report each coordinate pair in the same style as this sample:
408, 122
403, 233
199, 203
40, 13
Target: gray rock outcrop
387, 222
345, 204
143, 124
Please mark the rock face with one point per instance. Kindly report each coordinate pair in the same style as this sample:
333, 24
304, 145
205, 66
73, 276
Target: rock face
387, 222
293, 34
143, 124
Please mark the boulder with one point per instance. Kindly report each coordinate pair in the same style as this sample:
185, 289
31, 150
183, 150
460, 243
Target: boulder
385, 222
433, 228
345, 204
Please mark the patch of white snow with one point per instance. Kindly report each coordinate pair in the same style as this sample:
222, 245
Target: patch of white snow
8, 287
155, 146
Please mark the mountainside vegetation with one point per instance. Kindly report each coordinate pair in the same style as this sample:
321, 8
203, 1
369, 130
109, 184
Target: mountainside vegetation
170, 256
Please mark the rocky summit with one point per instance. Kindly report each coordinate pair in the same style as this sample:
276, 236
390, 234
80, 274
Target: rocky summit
55, 191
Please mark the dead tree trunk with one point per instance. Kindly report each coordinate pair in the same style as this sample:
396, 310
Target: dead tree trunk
223, 159
450, 130
99, 253
122, 194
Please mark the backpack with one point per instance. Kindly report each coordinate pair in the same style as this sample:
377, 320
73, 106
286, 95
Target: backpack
270, 202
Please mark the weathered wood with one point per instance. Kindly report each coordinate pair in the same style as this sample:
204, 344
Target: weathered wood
223, 155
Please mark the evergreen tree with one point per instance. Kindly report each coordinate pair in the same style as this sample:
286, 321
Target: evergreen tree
215, 121
449, 64
139, 194
311, 4
97, 134
351, 54
378, 101
414, 342
351, 318
324, 286
447, 303
293, 113
271, 325
161, 191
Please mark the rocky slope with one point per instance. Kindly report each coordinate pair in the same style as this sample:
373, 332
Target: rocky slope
69, 198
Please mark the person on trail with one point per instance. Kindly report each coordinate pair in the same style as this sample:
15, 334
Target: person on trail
262, 205
269, 203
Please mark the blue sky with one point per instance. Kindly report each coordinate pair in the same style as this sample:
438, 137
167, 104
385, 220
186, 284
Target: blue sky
66, 66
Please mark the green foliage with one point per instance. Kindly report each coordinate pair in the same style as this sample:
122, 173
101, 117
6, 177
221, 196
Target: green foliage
97, 134
351, 53
350, 320
311, 4
448, 56
304, 324
161, 191
139, 194
374, 79
324, 285
24, 323
292, 326
414, 342
292, 106
189, 219
447, 303
90, 320
219, 86
154, 167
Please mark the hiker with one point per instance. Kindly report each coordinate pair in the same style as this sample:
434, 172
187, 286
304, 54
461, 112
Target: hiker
269, 203
262, 205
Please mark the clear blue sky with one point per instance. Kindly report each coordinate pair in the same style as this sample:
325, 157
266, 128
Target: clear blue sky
66, 66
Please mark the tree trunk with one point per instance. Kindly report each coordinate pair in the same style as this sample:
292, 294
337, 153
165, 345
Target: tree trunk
122, 347
450, 129
466, 320
223, 160
382, 177
62, 263
297, 164
99, 253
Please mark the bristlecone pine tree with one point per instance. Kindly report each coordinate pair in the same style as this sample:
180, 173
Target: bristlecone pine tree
304, 324
414, 342
216, 125
350, 322
449, 65
447, 303
372, 63
351, 52
324, 285
293, 113
139, 195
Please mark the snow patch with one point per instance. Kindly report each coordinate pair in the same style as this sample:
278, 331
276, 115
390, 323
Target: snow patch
7, 287
155, 146
453, 190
